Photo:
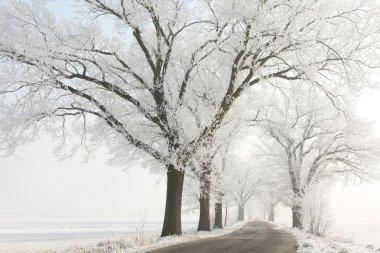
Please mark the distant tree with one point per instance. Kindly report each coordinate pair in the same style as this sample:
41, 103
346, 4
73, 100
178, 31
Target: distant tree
267, 175
244, 182
219, 190
271, 195
208, 168
136, 89
317, 142
275, 187
219, 183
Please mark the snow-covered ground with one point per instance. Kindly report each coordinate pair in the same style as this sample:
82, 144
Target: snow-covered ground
151, 242
131, 237
116, 237
308, 243
66, 229
58, 235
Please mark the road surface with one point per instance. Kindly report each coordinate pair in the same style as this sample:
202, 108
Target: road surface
255, 237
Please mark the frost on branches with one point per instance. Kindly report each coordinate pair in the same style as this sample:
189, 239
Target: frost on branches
163, 82
313, 142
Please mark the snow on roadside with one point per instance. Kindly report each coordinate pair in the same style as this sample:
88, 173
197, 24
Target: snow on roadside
150, 241
308, 243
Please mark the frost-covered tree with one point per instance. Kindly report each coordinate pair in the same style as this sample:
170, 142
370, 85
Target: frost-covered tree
207, 168
219, 188
275, 187
315, 142
136, 91
220, 180
203, 172
137, 88
244, 181
273, 191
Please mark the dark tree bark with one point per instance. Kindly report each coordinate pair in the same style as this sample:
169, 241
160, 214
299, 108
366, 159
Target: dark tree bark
271, 213
297, 216
241, 213
218, 215
172, 219
297, 208
204, 214
204, 202
225, 218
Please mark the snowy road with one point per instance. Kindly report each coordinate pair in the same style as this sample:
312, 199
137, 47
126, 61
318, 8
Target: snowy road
255, 237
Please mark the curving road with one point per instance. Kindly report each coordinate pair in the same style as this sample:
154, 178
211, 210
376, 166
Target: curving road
255, 237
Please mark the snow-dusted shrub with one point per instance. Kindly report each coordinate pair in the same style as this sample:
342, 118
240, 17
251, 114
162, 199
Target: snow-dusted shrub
316, 210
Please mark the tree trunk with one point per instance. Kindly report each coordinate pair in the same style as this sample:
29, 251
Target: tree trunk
297, 216
172, 219
271, 213
204, 202
204, 214
218, 215
297, 208
241, 213
225, 218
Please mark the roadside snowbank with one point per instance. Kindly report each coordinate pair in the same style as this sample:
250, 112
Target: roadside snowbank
150, 241
308, 243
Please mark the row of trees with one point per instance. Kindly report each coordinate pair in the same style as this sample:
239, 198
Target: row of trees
297, 143
176, 80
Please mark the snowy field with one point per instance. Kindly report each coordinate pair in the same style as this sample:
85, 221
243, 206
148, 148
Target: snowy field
16, 237
64, 230
93, 237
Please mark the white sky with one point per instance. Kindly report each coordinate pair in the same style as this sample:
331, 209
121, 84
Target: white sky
356, 209
36, 186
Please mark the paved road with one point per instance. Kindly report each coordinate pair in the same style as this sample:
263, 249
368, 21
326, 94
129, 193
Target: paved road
255, 237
